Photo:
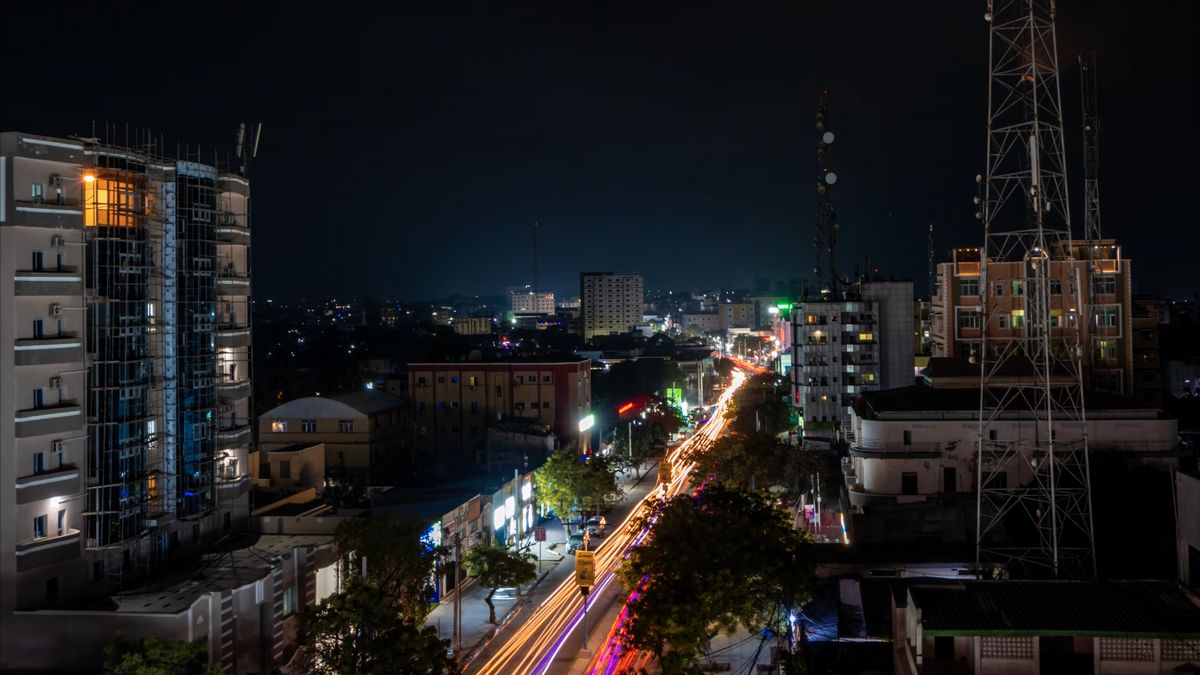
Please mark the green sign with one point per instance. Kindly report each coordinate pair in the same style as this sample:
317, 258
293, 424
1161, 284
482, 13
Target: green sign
675, 395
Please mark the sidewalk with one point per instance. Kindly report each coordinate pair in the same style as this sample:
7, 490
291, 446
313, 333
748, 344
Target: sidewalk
476, 629
475, 625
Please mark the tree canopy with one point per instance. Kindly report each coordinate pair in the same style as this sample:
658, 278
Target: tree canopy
157, 656
399, 562
359, 631
720, 560
496, 566
761, 405
759, 462
569, 481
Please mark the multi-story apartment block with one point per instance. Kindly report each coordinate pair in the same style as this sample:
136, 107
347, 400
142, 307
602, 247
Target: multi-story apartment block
610, 303
364, 435
841, 349
125, 342
528, 300
1104, 334
1148, 313
474, 325
455, 403
737, 315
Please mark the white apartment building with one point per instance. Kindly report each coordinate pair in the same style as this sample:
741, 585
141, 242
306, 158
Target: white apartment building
841, 349
124, 365
913, 443
610, 303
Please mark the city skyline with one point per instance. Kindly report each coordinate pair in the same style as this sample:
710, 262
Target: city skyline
430, 139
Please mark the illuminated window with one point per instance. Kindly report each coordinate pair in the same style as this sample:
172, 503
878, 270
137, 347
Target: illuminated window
866, 337
1002, 320
868, 377
278, 426
1106, 350
1018, 318
1055, 318
1107, 316
109, 202
39, 527
1018, 287
968, 319
968, 286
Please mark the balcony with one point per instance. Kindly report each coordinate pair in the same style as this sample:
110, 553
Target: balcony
233, 390
232, 336
65, 281
233, 487
40, 351
861, 498
38, 552
62, 481
233, 282
234, 436
48, 214
230, 231
60, 419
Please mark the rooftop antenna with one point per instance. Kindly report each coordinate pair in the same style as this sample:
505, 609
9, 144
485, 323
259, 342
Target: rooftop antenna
536, 288
932, 272
825, 241
1091, 148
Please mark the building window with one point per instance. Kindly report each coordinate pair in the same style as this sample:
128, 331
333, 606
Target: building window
37, 398
1107, 316
546, 379
908, 483
999, 286
39, 527
474, 406
1106, 350
38, 263
62, 522
499, 391
1055, 286
1056, 318
420, 381
1018, 287
868, 378
36, 193
346, 426
1002, 320
1017, 318
1104, 285
38, 329
308, 426
420, 406
472, 380
39, 462
454, 405
289, 601
441, 379
546, 405
520, 406
453, 379
278, 426
866, 337
968, 319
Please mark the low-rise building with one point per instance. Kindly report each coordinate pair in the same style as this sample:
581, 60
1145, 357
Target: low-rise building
474, 325
1187, 526
914, 443
1019, 627
455, 403
365, 435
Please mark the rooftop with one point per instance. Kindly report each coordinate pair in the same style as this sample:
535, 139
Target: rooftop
922, 398
1079, 608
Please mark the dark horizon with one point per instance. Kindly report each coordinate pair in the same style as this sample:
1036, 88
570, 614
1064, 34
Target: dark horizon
406, 151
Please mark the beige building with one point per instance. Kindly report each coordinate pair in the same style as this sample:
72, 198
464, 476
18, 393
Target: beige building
474, 325
363, 434
455, 403
610, 303
289, 469
956, 319
124, 343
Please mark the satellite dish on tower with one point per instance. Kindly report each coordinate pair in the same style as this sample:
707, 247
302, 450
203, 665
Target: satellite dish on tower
831, 178
828, 137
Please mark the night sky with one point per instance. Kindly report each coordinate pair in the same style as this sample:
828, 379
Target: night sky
407, 147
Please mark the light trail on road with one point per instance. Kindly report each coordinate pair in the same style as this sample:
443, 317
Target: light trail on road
535, 645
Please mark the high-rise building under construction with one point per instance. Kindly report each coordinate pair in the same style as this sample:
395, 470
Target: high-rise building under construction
125, 363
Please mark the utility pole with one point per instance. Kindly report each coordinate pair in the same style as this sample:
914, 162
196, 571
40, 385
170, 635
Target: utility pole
457, 582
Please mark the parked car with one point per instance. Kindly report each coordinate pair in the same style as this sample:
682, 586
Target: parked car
597, 527
574, 542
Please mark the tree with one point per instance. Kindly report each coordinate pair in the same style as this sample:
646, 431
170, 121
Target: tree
720, 560
569, 481
759, 462
358, 631
157, 656
398, 560
761, 406
495, 566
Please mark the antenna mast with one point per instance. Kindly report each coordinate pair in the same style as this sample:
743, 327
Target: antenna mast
825, 241
1033, 490
536, 288
932, 272
1091, 148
